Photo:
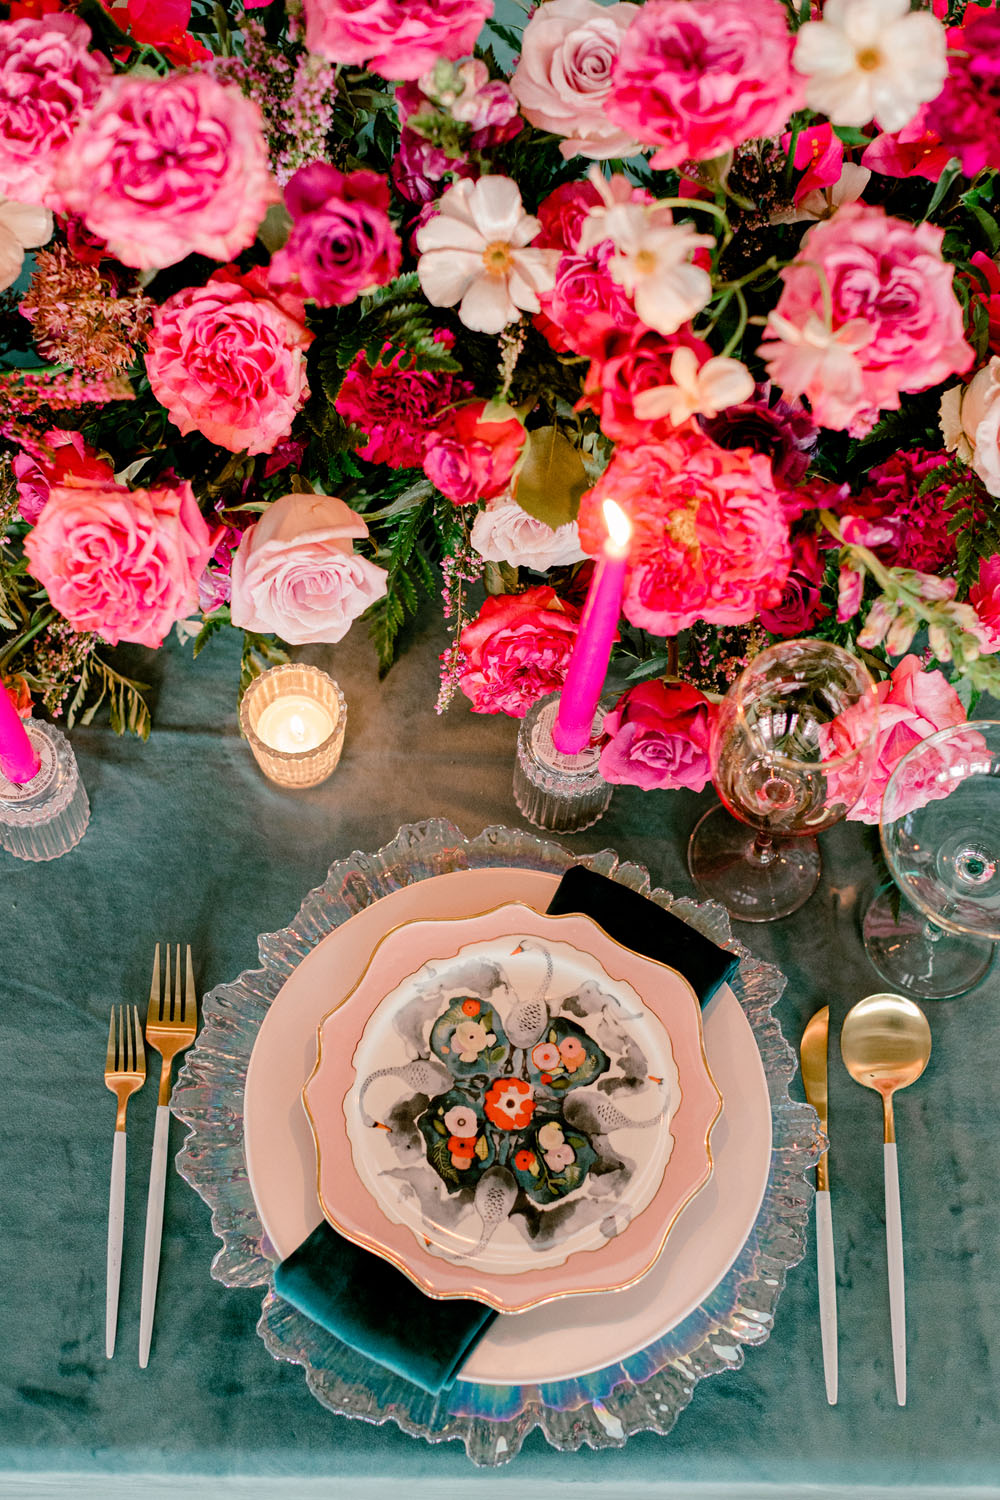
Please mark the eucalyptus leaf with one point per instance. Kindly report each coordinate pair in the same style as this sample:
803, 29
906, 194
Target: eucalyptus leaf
551, 478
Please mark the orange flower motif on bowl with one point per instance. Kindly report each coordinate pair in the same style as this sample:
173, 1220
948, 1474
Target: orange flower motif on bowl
509, 1103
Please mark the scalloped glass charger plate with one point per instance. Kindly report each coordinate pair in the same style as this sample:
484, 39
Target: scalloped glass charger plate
641, 1353
512, 1107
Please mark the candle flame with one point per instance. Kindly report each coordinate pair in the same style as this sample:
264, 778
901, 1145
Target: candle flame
297, 728
618, 524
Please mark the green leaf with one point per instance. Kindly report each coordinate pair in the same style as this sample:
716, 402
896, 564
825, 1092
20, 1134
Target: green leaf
551, 478
989, 226
944, 182
850, 136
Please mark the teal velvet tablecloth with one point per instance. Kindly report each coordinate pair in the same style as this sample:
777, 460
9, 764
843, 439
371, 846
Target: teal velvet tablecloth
189, 842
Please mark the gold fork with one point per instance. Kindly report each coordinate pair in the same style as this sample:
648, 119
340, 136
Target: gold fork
171, 1024
124, 1072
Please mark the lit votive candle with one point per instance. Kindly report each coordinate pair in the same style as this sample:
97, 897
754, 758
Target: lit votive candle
294, 717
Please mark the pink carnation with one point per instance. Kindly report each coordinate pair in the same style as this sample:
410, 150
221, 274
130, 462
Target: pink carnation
897, 324
168, 167
396, 406
710, 540
227, 360
396, 38
966, 113
123, 563
912, 705
73, 462
658, 734
342, 241
48, 81
296, 574
696, 78
469, 458
517, 651
984, 596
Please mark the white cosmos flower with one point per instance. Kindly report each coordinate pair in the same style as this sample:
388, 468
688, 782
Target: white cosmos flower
473, 252
503, 532
703, 390
23, 226
652, 259
871, 60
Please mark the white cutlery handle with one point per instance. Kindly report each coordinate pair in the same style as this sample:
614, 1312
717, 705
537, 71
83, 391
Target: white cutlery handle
827, 1276
116, 1224
154, 1231
894, 1254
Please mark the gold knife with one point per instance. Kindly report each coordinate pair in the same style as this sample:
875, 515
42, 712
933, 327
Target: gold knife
813, 1054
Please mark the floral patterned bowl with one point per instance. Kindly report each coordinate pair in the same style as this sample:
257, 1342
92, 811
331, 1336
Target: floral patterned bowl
512, 1107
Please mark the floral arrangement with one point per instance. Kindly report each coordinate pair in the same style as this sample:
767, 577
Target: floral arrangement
335, 305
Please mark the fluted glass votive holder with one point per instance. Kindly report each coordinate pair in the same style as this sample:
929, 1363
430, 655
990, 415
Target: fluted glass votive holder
294, 717
47, 816
561, 793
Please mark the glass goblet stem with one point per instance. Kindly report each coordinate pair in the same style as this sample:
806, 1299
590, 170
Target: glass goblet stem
762, 852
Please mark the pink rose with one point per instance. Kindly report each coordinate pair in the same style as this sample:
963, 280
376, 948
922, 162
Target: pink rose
123, 563
562, 213
897, 324
699, 77
396, 38
585, 306
168, 167
48, 81
227, 360
710, 538
984, 596
342, 241
73, 462
563, 75
658, 737
912, 705
469, 458
295, 573
517, 651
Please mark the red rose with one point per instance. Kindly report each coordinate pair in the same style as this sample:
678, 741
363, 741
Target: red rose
659, 734
469, 459
517, 651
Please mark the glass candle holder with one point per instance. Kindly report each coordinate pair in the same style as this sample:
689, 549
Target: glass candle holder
294, 717
48, 815
561, 793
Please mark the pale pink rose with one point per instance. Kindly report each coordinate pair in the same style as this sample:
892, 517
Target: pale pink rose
124, 563
912, 705
697, 78
295, 573
503, 532
971, 423
48, 81
168, 167
897, 324
23, 226
563, 76
396, 38
984, 596
228, 360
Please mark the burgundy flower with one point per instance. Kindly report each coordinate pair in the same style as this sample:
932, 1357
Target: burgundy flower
799, 607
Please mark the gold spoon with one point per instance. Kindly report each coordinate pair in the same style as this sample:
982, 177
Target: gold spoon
885, 1042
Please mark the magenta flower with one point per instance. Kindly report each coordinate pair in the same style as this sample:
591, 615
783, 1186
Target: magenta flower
966, 113
657, 736
396, 406
342, 241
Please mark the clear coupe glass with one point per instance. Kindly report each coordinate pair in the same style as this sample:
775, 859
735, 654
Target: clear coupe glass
792, 748
940, 830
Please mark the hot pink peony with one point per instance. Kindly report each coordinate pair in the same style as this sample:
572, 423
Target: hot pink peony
517, 651
396, 406
73, 462
48, 82
342, 241
710, 540
396, 38
658, 737
984, 596
912, 705
123, 563
168, 167
227, 360
470, 458
897, 324
296, 572
698, 77
563, 76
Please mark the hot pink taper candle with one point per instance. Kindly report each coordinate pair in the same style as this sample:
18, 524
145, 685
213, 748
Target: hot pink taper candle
598, 627
18, 760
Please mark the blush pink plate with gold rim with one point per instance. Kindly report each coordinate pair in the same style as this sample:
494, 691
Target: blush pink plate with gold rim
512, 1107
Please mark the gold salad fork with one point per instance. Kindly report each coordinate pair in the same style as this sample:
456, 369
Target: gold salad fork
124, 1072
171, 1024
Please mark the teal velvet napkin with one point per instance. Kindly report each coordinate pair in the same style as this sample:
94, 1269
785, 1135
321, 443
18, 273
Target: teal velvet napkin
363, 1300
